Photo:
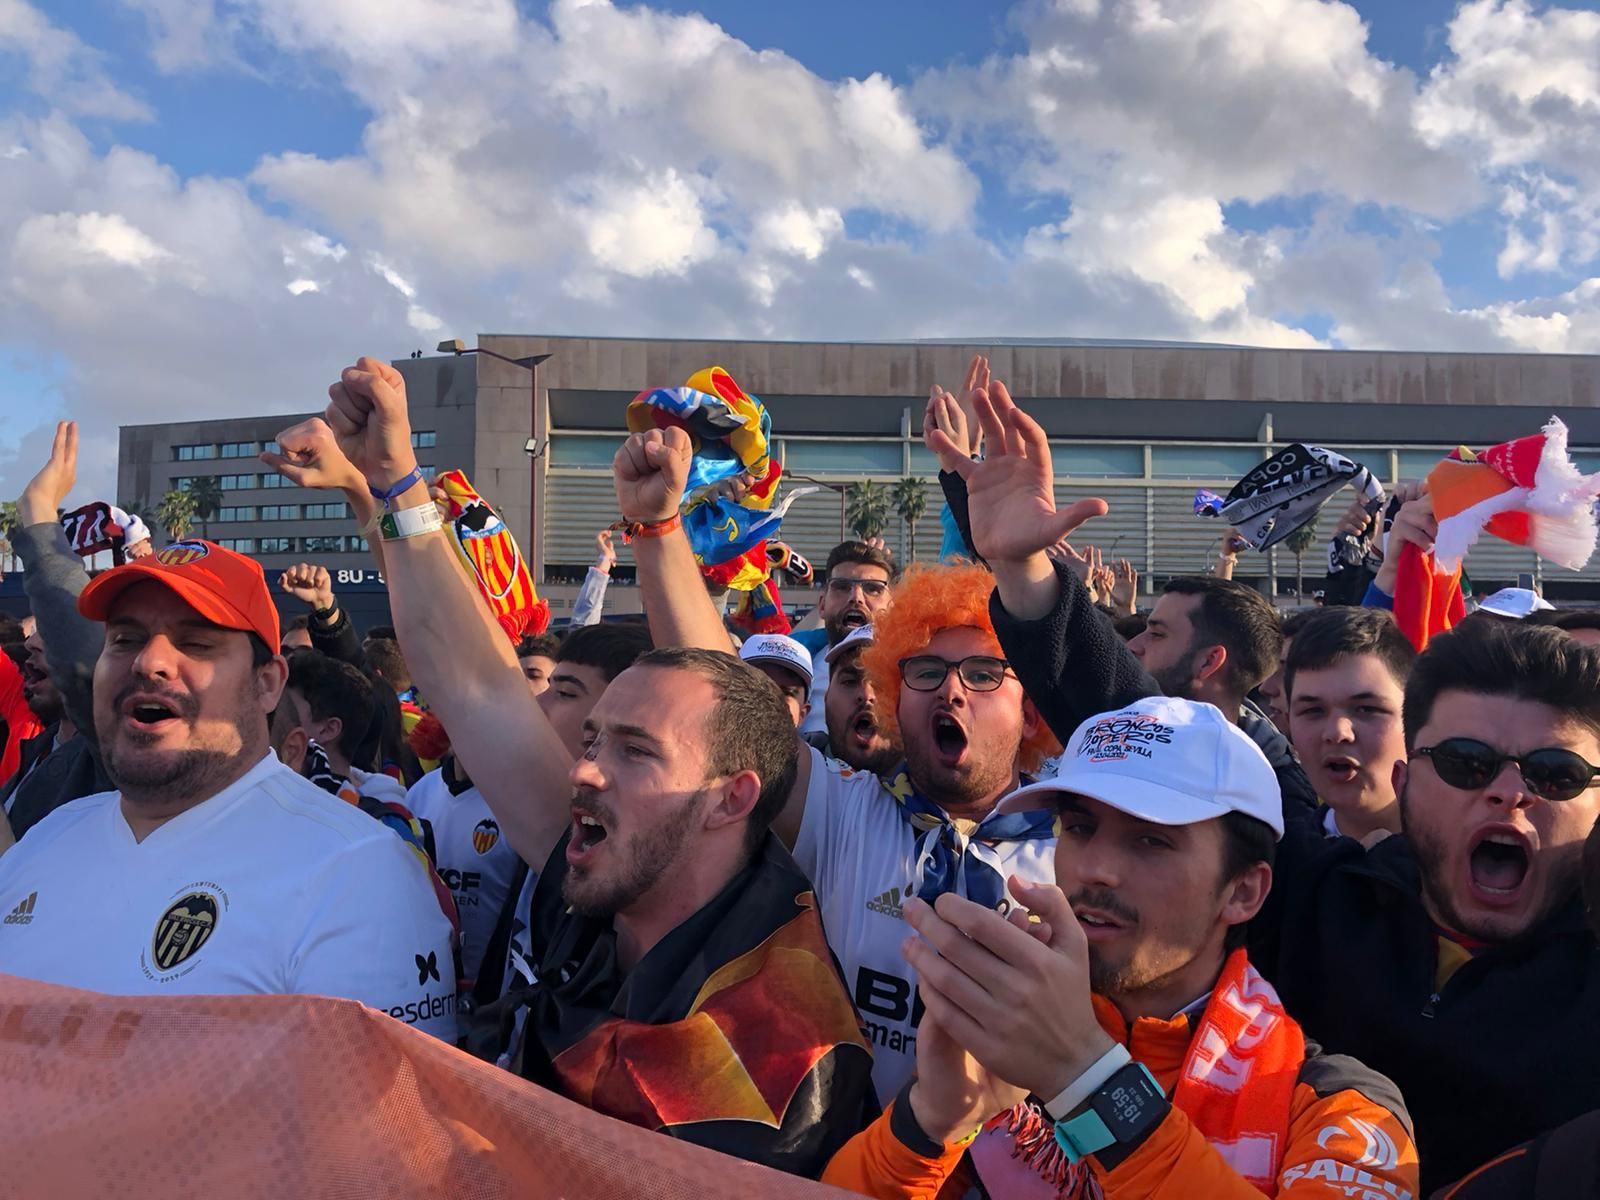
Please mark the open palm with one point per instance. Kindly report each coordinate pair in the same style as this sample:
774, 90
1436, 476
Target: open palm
1011, 493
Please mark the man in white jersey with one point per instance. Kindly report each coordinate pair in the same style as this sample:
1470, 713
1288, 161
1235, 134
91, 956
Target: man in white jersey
214, 869
476, 863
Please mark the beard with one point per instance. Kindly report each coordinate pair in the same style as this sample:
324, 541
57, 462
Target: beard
984, 776
147, 775
645, 859
1175, 680
841, 623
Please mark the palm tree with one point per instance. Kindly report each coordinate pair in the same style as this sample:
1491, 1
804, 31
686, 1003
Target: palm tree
911, 502
1297, 543
8, 527
868, 508
206, 492
176, 511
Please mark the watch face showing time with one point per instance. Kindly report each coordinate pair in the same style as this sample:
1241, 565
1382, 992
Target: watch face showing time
1129, 1103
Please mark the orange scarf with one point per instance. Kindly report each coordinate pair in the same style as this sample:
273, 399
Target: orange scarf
1236, 1087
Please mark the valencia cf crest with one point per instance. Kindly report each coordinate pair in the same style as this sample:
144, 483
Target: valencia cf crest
185, 927
485, 835
180, 553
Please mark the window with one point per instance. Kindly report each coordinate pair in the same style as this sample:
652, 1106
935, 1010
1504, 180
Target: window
358, 543
245, 512
277, 545
274, 480
191, 453
238, 449
855, 456
235, 483
428, 470
1090, 461
422, 439
242, 545
322, 545
1204, 462
325, 512
182, 483
269, 447
579, 450
1415, 464
280, 512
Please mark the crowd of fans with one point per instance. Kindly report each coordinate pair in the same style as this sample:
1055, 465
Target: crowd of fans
980, 882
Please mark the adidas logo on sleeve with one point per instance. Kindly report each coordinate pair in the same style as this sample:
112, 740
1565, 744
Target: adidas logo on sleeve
22, 914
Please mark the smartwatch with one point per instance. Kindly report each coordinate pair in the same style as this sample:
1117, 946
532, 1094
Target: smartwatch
1120, 1112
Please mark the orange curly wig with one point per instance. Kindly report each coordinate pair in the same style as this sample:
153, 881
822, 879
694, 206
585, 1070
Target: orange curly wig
926, 600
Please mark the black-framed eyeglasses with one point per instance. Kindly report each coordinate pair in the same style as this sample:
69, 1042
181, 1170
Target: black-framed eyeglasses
979, 672
872, 588
1551, 773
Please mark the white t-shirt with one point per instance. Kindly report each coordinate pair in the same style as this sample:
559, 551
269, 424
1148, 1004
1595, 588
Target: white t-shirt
475, 860
861, 854
271, 886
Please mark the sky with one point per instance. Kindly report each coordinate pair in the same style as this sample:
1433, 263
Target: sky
208, 207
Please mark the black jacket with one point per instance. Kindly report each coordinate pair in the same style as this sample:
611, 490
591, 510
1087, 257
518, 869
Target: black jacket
62, 774
1509, 1047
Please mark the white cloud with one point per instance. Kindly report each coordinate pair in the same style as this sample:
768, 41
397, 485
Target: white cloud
60, 68
650, 226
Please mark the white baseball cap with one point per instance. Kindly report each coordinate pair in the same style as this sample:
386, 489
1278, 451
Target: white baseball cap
858, 637
1516, 603
779, 650
1174, 762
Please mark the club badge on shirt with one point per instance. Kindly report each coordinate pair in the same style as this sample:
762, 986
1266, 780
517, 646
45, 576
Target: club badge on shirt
182, 930
484, 836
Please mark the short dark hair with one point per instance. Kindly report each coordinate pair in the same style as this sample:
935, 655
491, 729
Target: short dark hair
1330, 634
1292, 624
748, 729
303, 621
610, 647
544, 645
1585, 618
11, 628
1246, 840
1240, 620
260, 653
860, 552
334, 689
1131, 626
385, 657
1492, 658
382, 633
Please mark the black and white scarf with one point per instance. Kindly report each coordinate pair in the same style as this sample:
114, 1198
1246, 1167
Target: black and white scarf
1289, 489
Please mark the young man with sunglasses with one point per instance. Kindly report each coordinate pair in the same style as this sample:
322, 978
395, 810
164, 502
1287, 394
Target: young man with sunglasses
1452, 958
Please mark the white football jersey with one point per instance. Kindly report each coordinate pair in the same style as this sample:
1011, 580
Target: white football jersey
270, 886
861, 854
475, 860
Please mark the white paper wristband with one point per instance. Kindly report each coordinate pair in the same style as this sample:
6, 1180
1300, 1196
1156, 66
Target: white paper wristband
1085, 1085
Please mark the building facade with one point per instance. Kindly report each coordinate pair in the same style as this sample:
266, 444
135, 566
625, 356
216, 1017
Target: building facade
1142, 425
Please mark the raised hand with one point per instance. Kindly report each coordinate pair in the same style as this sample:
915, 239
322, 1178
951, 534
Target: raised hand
1125, 591
607, 556
41, 499
1011, 494
309, 584
954, 1094
650, 472
367, 413
309, 456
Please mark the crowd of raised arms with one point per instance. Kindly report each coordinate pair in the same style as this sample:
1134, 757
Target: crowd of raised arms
981, 883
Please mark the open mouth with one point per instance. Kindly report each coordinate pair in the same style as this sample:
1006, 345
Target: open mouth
864, 728
149, 714
854, 618
949, 739
1098, 924
1498, 866
1341, 769
588, 831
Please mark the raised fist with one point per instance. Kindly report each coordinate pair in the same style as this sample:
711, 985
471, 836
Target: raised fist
309, 584
309, 456
650, 472
367, 413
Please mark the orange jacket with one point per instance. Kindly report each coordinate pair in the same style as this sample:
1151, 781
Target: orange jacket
1349, 1138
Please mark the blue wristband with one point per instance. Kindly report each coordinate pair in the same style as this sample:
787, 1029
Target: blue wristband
398, 489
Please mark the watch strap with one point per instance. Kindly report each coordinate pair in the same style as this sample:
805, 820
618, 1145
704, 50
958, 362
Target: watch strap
1071, 1097
1132, 1094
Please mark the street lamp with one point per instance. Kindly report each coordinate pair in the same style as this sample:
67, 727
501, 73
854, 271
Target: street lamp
533, 447
842, 488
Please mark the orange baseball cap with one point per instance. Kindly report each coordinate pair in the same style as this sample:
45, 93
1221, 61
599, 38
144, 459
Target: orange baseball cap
224, 587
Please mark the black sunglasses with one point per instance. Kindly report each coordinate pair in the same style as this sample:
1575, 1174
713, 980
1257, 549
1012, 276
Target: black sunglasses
927, 672
1550, 774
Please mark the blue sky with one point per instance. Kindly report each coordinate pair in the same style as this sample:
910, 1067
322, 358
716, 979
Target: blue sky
258, 189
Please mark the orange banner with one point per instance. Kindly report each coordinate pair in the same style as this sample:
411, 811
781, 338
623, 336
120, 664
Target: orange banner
225, 1097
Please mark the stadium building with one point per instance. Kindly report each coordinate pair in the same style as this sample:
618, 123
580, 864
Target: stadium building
534, 422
